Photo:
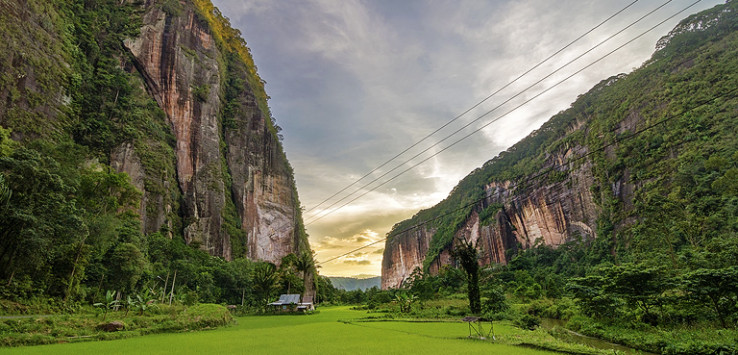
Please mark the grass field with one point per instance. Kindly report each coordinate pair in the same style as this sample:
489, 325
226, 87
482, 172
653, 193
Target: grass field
332, 331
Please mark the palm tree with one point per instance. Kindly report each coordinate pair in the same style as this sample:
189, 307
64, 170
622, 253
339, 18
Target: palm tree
265, 277
287, 269
305, 264
466, 254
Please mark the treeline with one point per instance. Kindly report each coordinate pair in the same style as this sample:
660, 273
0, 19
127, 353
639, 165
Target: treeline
70, 229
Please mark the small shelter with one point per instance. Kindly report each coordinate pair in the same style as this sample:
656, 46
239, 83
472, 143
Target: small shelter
306, 305
286, 303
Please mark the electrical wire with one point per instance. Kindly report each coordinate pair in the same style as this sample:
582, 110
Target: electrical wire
546, 171
475, 105
506, 113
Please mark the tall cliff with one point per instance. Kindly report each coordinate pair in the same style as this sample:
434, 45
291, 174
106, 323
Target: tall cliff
228, 156
165, 91
627, 167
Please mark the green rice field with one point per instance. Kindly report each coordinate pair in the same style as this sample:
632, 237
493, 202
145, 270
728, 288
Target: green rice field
334, 330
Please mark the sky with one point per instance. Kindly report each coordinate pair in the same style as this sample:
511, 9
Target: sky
353, 83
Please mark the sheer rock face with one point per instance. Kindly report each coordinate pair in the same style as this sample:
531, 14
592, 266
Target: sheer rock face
547, 213
186, 87
182, 68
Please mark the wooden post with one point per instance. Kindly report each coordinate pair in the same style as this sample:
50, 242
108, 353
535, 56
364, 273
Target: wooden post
164, 290
171, 294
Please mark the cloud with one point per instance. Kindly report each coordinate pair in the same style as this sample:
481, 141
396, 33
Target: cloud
358, 262
379, 251
354, 82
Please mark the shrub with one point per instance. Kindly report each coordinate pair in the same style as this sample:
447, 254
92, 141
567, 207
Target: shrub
207, 315
527, 321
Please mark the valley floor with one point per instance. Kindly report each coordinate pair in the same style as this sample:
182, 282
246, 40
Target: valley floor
331, 331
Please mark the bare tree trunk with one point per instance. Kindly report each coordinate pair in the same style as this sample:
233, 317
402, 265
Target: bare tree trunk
74, 268
99, 287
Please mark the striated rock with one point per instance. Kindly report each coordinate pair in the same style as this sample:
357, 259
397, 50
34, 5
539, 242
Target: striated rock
548, 213
186, 87
239, 163
262, 185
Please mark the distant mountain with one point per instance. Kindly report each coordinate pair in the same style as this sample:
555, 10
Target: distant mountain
355, 283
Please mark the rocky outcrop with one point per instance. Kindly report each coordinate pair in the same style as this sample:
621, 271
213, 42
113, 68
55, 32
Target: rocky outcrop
240, 164
538, 211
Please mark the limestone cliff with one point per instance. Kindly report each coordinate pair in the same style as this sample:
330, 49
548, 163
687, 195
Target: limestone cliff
549, 214
186, 65
604, 170
167, 92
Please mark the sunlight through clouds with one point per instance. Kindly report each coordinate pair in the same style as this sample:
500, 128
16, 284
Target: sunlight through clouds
352, 83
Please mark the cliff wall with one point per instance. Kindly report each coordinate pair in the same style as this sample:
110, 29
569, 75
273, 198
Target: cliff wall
219, 165
622, 168
549, 214
167, 92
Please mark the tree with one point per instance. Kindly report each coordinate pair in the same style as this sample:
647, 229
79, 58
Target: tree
5, 193
265, 277
305, 264
591, 298
639, 286
466, 254
717, 287
126, 265
109, 303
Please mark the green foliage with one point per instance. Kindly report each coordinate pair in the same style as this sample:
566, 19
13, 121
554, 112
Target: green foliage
109, 303
126, 266
144, 301
83, 327
527, 321
201, 92
172, 7
716, 287
265, 278
495, 303
466, 254
405, 301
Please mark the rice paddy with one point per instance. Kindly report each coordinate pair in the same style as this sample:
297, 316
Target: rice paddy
334, 330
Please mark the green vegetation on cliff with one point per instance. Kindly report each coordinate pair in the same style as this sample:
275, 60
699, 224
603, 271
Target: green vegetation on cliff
667, 130
658, 270
73, 103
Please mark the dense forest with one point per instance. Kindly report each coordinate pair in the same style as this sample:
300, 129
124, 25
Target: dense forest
71, 225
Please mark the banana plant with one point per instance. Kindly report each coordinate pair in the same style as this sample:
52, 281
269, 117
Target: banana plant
110, 303
144, 301
130, 303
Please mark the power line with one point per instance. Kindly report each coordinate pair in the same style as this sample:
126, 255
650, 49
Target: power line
474, 106
533, 177
484, 115
506, 113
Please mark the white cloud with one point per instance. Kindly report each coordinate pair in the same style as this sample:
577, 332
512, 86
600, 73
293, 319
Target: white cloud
355, 82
